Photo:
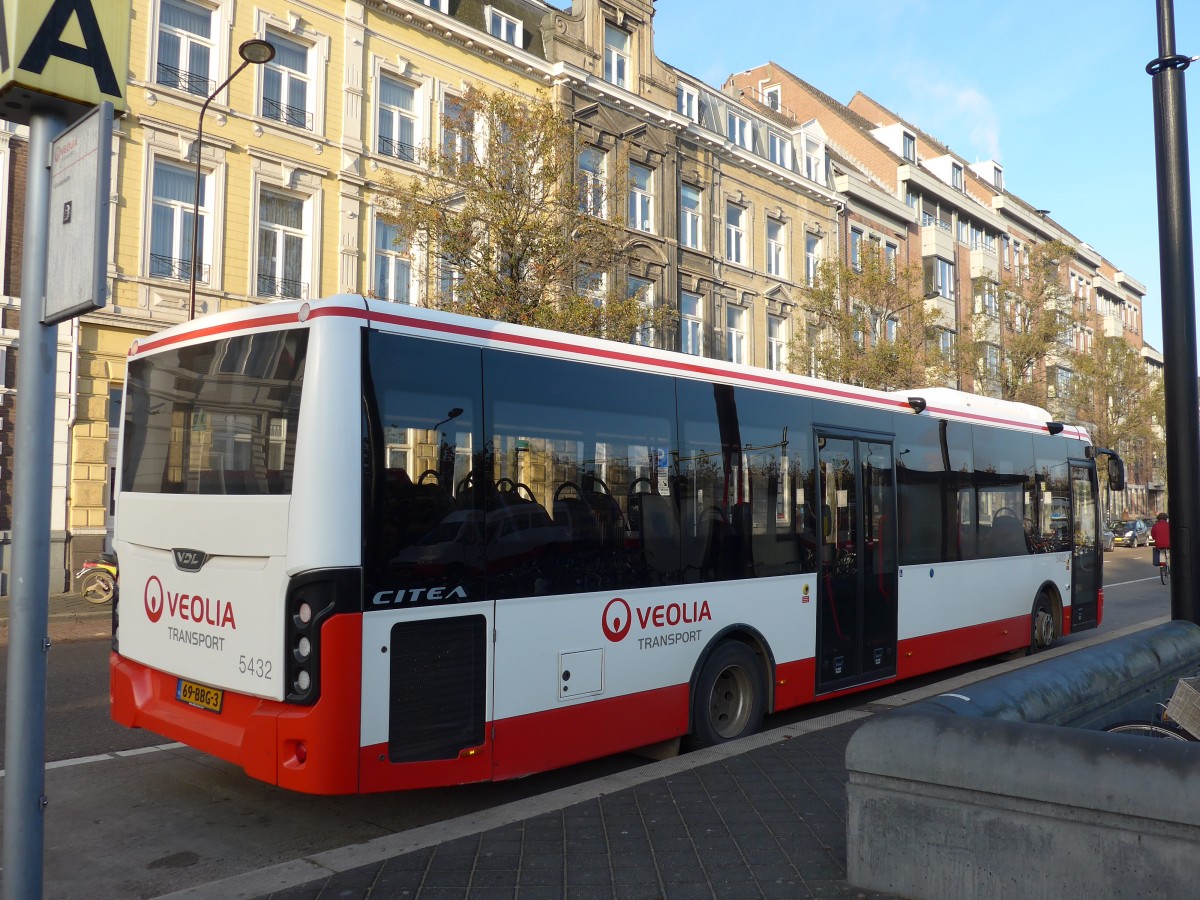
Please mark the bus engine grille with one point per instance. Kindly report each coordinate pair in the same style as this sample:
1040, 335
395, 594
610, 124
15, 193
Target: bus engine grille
438, 684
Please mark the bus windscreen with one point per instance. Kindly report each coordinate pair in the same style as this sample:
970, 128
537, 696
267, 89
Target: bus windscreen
215, 418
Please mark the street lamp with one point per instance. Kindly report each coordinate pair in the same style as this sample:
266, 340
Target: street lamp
256, 51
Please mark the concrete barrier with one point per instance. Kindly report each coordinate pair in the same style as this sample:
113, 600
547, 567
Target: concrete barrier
979, 794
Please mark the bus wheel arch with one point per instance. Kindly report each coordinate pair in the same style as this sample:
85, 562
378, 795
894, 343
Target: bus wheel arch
730, 688
1045, 619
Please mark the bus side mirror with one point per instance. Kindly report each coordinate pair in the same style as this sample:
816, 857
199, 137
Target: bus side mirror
1116, 473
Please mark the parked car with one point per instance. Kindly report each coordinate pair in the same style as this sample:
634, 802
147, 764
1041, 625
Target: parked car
1149, 524
1108, 540
1131, 533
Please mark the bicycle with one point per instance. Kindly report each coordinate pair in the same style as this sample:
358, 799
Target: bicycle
1167, 723
1164, 565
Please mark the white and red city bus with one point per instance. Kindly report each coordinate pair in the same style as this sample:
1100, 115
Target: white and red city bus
367, 547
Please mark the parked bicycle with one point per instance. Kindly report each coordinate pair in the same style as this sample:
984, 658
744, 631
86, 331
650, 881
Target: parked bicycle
1178, 719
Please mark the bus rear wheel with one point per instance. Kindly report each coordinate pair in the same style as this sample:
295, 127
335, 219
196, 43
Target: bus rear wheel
1043, 630
729, 698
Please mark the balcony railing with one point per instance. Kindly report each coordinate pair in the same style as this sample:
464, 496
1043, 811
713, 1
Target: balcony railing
286, 288
289, 115
176, 269
398, 149
169, 76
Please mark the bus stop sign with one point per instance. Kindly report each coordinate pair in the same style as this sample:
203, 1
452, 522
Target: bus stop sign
69, 55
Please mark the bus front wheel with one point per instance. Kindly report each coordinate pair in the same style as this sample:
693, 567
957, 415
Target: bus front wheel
729, 698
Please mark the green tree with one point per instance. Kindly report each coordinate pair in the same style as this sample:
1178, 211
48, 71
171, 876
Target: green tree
873, 326
1022, 328
499, 216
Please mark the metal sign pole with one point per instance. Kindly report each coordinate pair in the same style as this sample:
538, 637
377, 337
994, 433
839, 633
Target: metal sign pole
28, 644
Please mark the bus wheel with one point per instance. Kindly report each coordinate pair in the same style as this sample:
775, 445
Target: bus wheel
729, 697
1042, 627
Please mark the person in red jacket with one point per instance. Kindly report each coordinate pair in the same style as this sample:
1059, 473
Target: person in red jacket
1160, 533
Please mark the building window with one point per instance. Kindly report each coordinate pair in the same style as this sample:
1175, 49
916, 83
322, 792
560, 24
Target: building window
690, 219
956, 176
174, 196
890, 254
814, 160
641, 198
910, 147
856, 242
998, 178
771, 97
739, 130
643, 290
776, 257
397, 119
393, 265
939, 277
946, 343
458, 130
185, 48
285, 84
735, 233
504, 27
1005, 249
812, 258
449, 281
779, 149
593, 285
689, 102
591, 182
891, 328
439, 5
776, 343
616, 56
691, 326
991, 361
282, 247
735, 334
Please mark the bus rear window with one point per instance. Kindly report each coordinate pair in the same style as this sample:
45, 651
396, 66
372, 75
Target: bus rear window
215, 418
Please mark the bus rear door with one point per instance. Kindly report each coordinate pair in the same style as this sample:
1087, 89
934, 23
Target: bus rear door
1086, 551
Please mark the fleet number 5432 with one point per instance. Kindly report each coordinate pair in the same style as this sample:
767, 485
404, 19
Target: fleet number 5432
258, 668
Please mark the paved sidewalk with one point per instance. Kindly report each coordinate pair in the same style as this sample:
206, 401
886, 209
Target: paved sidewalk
768, 823
71, 618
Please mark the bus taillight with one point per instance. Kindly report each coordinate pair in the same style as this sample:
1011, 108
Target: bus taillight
311, 599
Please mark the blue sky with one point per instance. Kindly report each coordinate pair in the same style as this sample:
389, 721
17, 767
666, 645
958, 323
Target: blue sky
1055, 91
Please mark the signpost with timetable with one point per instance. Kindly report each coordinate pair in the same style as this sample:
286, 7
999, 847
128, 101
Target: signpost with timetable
60, 60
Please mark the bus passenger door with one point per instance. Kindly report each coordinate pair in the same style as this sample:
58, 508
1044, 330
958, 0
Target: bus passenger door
856, 612
1086, 550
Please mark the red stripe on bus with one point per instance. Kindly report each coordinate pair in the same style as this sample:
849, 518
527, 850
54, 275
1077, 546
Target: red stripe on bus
494, 335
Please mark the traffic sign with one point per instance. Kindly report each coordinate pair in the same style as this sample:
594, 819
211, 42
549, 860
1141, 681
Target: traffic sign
69, 55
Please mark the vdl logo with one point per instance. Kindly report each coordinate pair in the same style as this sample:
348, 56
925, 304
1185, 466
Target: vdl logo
153, 597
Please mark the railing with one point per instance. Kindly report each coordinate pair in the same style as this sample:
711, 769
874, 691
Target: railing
289, 115
169, 76
287, 288
398, 149
177, 269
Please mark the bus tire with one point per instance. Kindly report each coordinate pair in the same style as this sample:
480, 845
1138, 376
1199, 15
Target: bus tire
729, 697
1042, 627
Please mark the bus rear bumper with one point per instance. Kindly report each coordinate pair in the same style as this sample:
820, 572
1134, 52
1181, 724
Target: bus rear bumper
311, 749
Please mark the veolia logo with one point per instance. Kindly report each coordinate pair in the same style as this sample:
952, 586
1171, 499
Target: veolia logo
616, 619
153, 597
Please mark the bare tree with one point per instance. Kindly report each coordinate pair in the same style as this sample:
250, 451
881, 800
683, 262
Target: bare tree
874, 327
506, 226
1023, 327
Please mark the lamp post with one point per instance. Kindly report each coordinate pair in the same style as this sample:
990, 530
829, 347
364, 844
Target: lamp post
256, 51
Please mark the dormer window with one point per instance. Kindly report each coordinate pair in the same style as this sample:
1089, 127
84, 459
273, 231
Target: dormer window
504, 27
689, 102
998, 178
771, 97
616, 56
739, 130
956, 176
910, 147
